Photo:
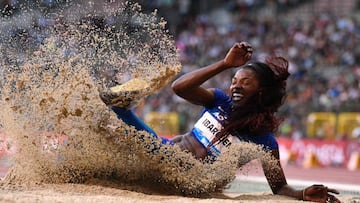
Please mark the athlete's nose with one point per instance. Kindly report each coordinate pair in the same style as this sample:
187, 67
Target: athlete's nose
239, 85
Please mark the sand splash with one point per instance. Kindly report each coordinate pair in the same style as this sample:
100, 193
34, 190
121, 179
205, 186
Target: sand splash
62, 131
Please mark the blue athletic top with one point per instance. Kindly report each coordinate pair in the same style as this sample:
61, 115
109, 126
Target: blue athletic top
205, 129
211, 122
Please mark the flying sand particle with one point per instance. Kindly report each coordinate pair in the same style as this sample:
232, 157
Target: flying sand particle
51, 110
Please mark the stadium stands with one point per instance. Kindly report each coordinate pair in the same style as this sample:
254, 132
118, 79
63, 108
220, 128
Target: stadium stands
322, 50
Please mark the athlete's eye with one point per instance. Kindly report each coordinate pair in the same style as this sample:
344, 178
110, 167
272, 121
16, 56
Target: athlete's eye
233, 82
246, 82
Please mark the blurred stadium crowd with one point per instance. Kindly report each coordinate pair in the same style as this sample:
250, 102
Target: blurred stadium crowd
322, 47
323, 51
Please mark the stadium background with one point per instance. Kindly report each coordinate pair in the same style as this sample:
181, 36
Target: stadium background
319, 37
321, 40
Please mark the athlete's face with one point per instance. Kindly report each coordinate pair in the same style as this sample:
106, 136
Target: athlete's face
243, 86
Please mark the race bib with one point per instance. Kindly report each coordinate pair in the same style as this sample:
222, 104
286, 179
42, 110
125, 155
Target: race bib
205, 130
209, 126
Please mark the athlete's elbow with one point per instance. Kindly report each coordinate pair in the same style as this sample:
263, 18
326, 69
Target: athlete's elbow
177, 87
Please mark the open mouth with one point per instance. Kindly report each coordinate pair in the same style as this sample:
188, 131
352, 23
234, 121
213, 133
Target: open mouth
236, 96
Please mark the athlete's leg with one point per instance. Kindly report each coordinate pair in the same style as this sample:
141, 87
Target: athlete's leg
122, 97
129, 117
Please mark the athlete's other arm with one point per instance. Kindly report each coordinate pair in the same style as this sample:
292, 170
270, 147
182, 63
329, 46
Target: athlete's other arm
278, 184
188, 86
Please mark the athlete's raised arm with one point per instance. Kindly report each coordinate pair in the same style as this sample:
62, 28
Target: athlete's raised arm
188, 86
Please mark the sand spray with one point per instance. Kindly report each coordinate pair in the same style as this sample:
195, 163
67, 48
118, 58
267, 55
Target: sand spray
55, 120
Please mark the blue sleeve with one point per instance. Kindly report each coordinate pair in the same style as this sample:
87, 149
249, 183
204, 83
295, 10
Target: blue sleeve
222, 99
267, 140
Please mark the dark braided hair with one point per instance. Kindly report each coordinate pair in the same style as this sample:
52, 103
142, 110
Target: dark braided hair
259, 115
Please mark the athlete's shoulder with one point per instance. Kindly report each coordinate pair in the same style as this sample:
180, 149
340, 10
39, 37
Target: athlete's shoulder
221, 96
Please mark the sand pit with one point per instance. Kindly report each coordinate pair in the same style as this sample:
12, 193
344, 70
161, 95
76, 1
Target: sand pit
67, 145
96, 193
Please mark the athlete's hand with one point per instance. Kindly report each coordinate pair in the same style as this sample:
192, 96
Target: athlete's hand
238, 55
320, 193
